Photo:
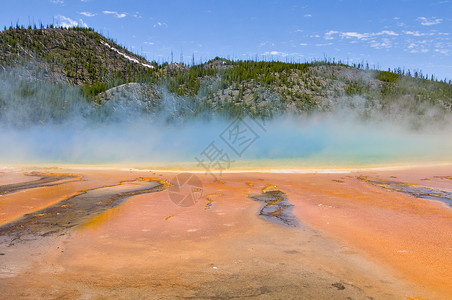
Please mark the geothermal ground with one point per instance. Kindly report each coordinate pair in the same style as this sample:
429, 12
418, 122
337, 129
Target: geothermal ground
118, 233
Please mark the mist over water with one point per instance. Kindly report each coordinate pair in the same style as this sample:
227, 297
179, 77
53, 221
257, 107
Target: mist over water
70, 130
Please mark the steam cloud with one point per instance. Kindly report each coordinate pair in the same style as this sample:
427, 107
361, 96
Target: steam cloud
36, 129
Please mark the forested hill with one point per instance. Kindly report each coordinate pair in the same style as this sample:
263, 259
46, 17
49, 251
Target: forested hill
78, 56
104, 71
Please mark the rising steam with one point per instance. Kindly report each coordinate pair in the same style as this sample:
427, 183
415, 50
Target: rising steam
54, 124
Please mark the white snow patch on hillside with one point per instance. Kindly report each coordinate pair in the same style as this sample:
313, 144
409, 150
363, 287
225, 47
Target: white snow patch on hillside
126, 56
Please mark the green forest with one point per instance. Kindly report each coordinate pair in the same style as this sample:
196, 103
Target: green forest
97, 70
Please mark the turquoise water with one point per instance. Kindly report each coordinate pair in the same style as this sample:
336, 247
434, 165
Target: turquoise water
283, 143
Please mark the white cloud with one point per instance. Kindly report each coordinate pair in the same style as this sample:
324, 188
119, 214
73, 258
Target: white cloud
422, 50
160, 24
384, 39
87, 14
303, 44
351, 34
149, 43
325, 44
56, 1
329, 34
443, 51
443, 47
387, 32
429, 21
307, 15
418, 46
383, 44
266, 43
114, 13
417, 33
360, 36
413, 33
68, 22
82, 23
276, 53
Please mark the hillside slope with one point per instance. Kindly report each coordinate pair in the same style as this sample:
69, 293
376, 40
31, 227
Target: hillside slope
78, 56
104, 71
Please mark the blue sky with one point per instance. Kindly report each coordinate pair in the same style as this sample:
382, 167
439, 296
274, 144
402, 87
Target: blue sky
404, 33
